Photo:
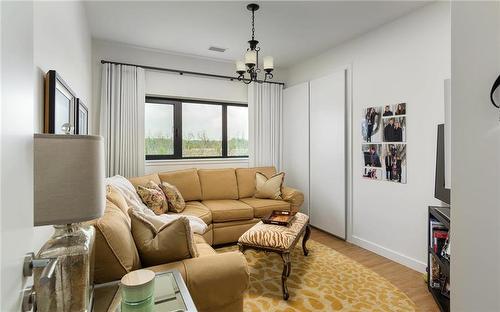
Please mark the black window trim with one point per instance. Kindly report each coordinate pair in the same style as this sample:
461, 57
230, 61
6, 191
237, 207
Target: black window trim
177, 103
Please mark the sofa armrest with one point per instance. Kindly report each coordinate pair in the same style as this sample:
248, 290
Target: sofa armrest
294, 197
217, 281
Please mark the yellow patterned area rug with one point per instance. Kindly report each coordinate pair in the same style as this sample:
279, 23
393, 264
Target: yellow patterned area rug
325, 280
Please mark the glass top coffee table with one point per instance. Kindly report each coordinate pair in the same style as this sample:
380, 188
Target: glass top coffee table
171, 295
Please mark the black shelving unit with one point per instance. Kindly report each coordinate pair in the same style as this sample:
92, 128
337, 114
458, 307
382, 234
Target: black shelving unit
441, 214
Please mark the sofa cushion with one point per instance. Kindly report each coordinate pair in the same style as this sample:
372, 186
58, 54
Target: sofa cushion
218, 183
114, 196
228, 210
229, 232
159, 243
186, 181
136, 181
115, 250
246, 179
262, 207
197, 209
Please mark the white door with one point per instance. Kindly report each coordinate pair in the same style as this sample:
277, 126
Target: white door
16, 152
296, 139
327, 153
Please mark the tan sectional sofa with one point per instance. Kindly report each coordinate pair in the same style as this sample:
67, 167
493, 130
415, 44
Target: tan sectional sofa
223, 199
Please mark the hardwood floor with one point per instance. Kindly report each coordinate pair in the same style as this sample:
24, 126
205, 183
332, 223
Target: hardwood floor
409, 281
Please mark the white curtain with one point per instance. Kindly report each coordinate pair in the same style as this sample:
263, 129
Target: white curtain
122, 119
265, 102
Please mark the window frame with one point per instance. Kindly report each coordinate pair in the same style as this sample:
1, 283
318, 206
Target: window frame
177, 104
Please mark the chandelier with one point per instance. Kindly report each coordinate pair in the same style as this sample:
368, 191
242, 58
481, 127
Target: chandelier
251, 63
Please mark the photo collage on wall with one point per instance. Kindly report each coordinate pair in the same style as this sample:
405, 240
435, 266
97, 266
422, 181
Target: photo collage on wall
384, 143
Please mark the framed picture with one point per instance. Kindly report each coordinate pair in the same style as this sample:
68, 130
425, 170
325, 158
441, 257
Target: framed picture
59, 105
81, 118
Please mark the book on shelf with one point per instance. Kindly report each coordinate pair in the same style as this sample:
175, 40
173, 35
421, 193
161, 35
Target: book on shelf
446, 251
439, 239
434, 273
435, 226
438, 236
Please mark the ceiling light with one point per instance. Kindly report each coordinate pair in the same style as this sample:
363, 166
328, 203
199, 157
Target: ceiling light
251, 63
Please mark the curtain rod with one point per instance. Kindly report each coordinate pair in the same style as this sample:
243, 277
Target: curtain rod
182, 72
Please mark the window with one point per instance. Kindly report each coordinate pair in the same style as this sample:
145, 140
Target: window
201, 130
159, 129
237, 131
176, 129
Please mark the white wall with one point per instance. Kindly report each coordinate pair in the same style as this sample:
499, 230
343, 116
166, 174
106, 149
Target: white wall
403, 61
475, 196
16, 208
172, 85
61, 42
190, 87
119, 52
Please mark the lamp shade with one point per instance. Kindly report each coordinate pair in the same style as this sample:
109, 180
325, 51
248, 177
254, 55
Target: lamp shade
240, 66
251, 57
69, 178
268, 62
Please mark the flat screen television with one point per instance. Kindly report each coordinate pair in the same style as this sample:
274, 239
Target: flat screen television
441, 192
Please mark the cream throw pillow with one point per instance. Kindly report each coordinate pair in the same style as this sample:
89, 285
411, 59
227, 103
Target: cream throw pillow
160, 243
269, 188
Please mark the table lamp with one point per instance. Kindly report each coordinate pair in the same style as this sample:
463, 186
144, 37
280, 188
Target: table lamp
69, 189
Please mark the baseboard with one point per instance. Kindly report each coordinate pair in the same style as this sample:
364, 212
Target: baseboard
389, 254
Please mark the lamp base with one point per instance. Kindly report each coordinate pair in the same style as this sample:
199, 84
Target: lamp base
69, 289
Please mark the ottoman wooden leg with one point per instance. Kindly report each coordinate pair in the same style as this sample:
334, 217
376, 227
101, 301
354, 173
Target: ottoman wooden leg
287, 268
241, 248
304, 240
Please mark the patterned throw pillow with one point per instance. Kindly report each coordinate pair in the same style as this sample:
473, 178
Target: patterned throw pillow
269, 188
175, 200
153, 197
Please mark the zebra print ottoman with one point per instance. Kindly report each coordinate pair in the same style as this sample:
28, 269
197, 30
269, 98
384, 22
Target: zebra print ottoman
278, 239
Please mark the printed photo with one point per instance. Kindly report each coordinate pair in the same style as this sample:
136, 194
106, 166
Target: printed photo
388, 111
394, 129
372, 173
394, 159
371, 155
371, 126
400, 109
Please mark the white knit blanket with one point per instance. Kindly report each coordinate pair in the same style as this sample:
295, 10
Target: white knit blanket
127, 190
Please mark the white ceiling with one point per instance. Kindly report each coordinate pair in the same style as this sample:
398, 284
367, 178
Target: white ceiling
290, 31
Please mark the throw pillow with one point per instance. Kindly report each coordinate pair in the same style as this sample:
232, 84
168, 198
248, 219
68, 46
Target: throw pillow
153, 197
175, 200
269, 187
159, 243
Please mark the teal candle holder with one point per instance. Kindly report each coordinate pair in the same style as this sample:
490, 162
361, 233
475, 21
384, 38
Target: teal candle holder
137, 290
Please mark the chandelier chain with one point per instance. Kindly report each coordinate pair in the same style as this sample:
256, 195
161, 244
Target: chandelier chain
253, 24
